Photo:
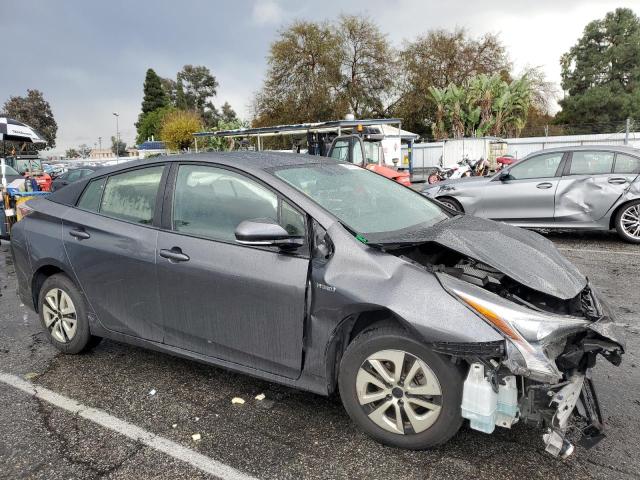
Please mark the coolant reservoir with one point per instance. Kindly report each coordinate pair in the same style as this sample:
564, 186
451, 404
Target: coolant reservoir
507, 409
479, 401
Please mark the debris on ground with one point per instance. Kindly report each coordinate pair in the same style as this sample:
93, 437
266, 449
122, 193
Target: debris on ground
196, 437
262, 396
30, 375
152, 392
175, 425
237, 400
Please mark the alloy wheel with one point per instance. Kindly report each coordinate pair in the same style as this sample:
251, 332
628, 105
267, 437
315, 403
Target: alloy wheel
398, 392
630, 221
60, 316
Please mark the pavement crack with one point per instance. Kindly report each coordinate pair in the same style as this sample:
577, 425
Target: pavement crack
64, 445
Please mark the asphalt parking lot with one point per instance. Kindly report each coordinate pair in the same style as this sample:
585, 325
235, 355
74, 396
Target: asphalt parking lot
288, 434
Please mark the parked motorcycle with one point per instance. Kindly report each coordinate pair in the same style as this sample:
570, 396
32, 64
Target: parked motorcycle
465, 168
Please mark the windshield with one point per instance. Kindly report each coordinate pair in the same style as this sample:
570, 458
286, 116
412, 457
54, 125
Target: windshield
10, 171
373, 206
28, 165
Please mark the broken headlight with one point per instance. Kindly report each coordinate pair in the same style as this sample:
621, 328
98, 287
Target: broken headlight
532, 335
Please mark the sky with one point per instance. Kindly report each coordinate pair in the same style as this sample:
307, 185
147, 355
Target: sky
89, 58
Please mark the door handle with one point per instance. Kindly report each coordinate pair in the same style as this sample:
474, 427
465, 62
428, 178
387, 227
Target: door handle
79, 234
174, 255
544, 185
617, 180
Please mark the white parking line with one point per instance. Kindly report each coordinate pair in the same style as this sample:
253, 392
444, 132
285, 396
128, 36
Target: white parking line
608, 252
127, 429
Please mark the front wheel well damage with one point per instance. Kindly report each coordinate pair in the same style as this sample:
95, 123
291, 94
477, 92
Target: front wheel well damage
348, 329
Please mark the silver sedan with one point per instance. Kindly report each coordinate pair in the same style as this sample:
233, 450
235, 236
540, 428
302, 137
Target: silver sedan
586, 187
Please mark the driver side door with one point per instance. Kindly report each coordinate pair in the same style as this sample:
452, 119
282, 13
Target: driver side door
525, 193
238, 303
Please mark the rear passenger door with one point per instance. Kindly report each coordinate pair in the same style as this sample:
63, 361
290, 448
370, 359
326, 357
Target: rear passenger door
238, 303
110, 239
589, 186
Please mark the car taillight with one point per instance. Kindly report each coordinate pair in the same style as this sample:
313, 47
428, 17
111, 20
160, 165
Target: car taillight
24, 210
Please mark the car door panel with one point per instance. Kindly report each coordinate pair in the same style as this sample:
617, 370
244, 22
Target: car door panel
588, 188
527, 194
114, 262
240, 304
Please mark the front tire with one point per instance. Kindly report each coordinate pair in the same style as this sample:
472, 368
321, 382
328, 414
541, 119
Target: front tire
627, 222
451, 203
398, 391
63, 315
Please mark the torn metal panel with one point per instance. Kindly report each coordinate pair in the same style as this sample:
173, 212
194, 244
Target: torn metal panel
524, 256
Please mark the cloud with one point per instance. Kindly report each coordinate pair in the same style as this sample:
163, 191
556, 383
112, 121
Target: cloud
267, 12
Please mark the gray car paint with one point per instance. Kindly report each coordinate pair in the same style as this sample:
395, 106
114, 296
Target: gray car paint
580, 201
318, 309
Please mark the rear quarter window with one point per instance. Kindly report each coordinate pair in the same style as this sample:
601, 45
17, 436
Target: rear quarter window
90, 199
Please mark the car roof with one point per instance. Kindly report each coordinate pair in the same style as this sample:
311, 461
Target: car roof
591, 148
249, 161
245, 160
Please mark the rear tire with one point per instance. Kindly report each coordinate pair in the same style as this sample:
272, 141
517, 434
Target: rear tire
427, 395
627, 222
63, 315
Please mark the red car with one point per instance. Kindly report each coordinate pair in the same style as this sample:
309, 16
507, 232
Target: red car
43, 179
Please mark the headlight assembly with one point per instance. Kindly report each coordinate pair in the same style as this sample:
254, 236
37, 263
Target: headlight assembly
529, 331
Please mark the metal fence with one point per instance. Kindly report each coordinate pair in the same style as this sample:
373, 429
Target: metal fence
429, 155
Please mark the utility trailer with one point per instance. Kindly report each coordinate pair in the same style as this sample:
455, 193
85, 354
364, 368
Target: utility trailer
376, 144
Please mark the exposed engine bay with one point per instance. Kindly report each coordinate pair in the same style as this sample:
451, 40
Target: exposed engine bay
540, 373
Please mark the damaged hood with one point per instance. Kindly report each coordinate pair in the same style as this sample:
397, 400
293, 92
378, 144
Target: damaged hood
525, 256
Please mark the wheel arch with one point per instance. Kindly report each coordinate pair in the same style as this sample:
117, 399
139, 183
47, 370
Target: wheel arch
40, 275
349, 328
453, 199
614, 212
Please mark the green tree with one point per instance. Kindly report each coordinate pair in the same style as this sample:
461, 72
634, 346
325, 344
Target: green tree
483, 105
154, 94
438, 59
601, 74
151, 124
367, 66
72, 153
178, 128
119, 148
227, 116
200, 87
84, 150
170, 88
302, 77
36, 112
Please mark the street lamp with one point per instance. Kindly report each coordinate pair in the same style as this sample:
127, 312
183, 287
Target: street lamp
117, 136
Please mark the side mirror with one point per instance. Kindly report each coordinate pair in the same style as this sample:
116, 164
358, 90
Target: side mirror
504, 176
266, 232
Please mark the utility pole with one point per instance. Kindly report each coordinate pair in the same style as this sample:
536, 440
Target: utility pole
100, 142
626, 131
117, 135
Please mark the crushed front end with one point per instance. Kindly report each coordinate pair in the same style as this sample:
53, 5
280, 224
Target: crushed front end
548, 356
540, 373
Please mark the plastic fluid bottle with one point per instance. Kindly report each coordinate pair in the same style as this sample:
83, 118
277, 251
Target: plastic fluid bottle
479, 401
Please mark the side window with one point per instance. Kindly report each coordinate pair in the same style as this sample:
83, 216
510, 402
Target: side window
626, 164
542, 166
341, 150
90, 199
74, 175
358, 154
132, 195
591, 163
211, 202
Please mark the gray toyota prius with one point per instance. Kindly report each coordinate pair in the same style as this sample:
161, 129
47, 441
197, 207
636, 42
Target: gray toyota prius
327, 277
